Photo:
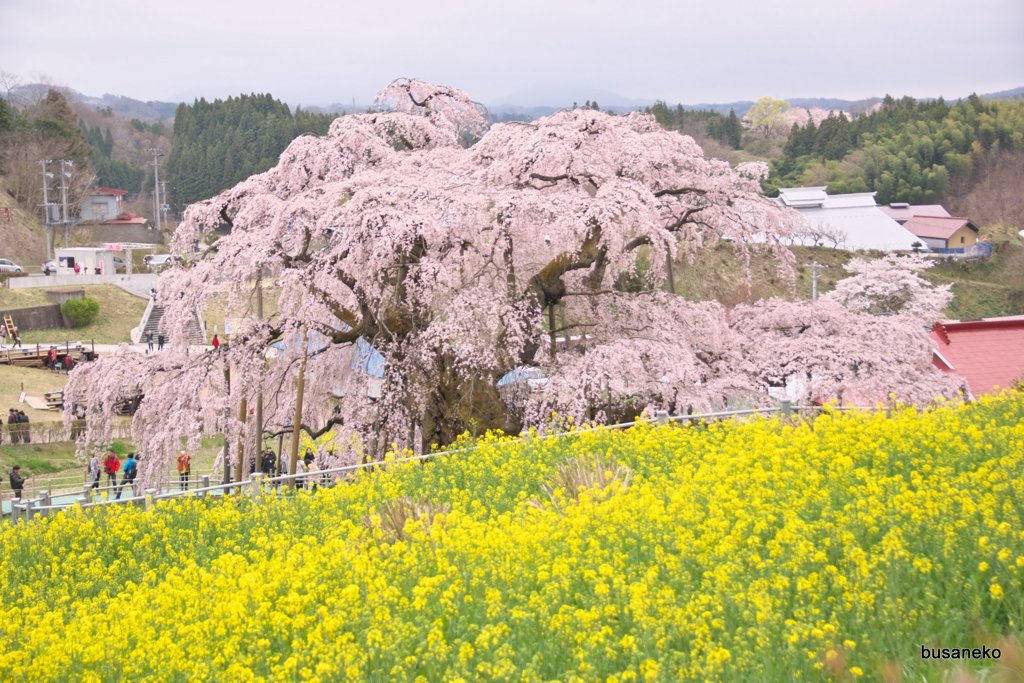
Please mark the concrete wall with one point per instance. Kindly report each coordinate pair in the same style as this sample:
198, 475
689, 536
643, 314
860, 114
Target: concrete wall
36, 318
62, 296
99, 208
138, 284
101, 234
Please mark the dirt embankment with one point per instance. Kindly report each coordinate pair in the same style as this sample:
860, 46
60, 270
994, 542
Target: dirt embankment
21, 234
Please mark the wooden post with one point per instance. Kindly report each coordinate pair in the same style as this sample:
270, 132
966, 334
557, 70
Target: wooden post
227, 419
243, 408
297, 420
205, 484
551, 328
671, 273
259, 394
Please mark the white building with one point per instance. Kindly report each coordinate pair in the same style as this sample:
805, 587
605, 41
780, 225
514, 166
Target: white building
90, 261
853, 222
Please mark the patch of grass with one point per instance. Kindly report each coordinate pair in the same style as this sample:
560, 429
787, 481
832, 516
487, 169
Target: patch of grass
35, 459
119, 313
983, 289
36, 383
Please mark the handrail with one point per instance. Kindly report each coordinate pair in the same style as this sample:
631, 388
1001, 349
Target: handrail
314, 476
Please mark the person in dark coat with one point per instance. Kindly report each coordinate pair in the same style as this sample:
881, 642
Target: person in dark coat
24, 427
17, 481
13, 426
160, 342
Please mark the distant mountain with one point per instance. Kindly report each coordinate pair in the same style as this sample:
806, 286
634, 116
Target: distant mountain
126, 106
523, 105
1005, 94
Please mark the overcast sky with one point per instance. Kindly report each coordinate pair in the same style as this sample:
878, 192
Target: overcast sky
690, 51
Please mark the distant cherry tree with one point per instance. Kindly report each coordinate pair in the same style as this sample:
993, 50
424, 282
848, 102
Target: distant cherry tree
892, 285
420, 259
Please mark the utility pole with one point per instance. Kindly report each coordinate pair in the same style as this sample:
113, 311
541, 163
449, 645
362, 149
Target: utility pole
157, 153
65, 164
164, 207
47, 224
815, 266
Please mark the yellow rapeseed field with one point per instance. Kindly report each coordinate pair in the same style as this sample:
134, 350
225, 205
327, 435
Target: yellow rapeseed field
826, 550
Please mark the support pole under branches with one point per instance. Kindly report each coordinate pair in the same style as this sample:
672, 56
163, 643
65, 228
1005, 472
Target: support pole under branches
297, 420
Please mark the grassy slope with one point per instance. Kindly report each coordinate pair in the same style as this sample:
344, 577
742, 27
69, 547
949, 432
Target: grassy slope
981, 288
119, 313
36, 383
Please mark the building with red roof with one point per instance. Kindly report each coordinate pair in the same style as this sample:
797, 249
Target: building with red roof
987, 353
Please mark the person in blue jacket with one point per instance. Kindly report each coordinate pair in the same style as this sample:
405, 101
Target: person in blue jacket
131, 468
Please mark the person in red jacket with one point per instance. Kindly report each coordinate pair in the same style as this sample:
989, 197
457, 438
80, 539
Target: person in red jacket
111, 465
216, 342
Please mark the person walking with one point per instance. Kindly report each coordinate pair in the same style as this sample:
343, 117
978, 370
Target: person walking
184, 470
111, 465
16, 336
17, 481
215, 342
95, 470
149, 342
160, 342
131, 468
12, 426
24, 427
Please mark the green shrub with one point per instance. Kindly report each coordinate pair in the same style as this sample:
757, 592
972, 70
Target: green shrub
80, 312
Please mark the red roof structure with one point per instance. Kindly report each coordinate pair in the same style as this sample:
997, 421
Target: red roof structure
988, 353
937, 227
901, 212
127, 218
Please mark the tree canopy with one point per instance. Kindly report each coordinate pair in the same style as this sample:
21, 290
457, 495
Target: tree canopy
424, 260
217, 144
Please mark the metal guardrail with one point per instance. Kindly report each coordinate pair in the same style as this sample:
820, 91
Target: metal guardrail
256, 484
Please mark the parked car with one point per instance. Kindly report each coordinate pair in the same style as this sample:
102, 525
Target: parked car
157, 261
8, 266
49, 267
119, 265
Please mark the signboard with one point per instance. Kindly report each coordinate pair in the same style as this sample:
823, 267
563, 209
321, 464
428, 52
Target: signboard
110, 246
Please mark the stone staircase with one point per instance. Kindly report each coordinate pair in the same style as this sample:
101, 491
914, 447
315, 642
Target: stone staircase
152, 324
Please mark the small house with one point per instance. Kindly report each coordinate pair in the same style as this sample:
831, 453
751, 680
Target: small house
101, 204
944, 233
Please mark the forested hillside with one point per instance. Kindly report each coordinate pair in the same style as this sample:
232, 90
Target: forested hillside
907, 150
220, 143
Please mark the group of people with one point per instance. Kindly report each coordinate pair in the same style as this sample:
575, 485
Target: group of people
57, 361
160, 340
18, 427
275, 465
111, 465
14, 334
